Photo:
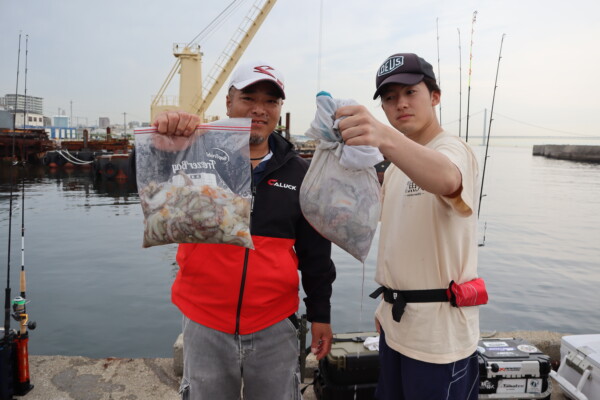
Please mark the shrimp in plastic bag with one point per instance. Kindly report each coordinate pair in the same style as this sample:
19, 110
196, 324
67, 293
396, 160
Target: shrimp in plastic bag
196, 189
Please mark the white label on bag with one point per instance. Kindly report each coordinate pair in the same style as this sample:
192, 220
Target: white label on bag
512, 386
198, 179
204, 179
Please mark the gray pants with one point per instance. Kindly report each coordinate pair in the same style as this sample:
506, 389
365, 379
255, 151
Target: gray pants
259, 366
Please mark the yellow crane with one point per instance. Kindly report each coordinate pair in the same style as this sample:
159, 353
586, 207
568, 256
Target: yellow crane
194, 97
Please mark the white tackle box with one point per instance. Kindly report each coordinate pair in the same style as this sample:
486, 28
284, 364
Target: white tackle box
512, 368
579, 371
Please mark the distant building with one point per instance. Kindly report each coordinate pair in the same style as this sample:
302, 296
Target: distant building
60, 121
60, 128
29, 120
6, 120
103, 122
55, 132
22, 103
28, 112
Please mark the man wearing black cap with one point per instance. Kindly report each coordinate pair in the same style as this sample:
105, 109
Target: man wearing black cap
239, 305
427, 237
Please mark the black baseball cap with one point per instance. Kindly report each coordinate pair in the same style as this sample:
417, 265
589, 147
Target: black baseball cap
403, 68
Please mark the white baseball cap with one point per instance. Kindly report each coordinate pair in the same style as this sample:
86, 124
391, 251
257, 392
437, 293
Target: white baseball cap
256, 71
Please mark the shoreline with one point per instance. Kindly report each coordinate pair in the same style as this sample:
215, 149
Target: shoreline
83, 378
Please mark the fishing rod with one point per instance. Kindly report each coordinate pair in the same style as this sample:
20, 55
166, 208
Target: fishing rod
320, 47
470, 63
487, 144
10, 208
7, 342
459, 85
14, 357
439, 74
22, 382
25, 91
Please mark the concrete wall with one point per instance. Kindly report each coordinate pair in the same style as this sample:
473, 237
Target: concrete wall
568, 152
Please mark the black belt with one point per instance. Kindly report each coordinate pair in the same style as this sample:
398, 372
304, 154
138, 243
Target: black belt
399, 298
294, 320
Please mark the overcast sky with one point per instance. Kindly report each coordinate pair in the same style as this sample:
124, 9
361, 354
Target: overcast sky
110, 57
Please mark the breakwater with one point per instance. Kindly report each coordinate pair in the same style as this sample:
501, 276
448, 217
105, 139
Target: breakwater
568, 152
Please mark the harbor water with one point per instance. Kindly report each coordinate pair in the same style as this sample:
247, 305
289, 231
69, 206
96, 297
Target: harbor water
94, 291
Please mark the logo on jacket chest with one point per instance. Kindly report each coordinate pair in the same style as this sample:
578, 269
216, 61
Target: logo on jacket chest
276, 183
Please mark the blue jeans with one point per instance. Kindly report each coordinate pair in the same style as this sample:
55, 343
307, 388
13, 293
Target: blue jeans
404, 378
220, 366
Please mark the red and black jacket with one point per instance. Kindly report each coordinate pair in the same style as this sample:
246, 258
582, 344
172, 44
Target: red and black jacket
236, 290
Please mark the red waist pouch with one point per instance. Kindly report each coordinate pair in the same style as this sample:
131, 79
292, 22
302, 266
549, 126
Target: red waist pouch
471, 293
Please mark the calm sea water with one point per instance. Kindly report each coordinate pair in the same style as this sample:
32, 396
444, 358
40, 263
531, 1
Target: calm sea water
95, 292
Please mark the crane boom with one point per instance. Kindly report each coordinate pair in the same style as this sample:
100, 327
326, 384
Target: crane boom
194, 97
233, 52
156, 100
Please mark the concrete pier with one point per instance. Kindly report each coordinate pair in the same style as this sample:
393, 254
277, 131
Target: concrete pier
82, 378
568, 152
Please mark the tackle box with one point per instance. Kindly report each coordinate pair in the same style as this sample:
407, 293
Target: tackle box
579, 371
349, 371
326, 390
512, 368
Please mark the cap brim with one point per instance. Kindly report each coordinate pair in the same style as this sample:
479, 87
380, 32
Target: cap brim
244, 84
402, 79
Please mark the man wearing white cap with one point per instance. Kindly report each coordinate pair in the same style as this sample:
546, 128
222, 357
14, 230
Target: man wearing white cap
239, 305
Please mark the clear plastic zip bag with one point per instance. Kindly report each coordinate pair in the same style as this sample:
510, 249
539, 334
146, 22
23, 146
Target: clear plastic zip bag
196, 189
340, 194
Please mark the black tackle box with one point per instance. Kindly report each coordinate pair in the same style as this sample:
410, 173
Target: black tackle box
512, 368
350, 371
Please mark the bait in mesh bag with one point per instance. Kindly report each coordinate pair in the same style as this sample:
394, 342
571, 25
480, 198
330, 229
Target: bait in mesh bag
196, 189
340, 194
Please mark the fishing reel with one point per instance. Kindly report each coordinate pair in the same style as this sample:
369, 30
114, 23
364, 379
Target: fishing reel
21, 382
19, 314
